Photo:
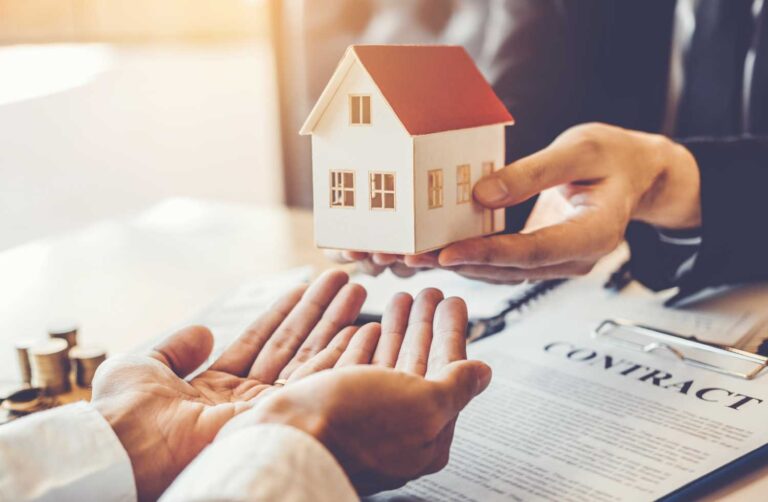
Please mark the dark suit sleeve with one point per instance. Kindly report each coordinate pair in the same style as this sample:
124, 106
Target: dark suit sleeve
734, 202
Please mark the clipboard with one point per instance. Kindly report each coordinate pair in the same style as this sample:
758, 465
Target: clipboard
650, 339
720, 477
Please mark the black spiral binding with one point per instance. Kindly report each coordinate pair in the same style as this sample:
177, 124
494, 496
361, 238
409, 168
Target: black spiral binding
483, 328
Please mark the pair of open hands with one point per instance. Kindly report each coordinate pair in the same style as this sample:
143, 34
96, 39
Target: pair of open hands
592, 180
415, 360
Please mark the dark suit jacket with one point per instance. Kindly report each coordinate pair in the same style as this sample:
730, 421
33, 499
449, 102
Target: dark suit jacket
609, 62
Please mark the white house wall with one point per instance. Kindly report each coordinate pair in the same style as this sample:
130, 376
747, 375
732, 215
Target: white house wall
446, 150
382, 146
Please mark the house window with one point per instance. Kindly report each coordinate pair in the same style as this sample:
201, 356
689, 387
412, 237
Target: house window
382, 190
435, 188
463, 184
359, 110
342, 189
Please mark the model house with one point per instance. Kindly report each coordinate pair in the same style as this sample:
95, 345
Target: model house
400, 135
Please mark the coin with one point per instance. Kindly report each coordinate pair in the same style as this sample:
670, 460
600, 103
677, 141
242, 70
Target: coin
26, 400
86, 360
66, 330
50, 366
22, 352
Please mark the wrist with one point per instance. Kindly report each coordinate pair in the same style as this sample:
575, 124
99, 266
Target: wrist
144, 450
280, 410
674, 199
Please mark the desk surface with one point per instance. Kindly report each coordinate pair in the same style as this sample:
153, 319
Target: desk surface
126, 282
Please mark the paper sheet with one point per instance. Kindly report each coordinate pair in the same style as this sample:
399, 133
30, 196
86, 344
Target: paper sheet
571, 418
728, 329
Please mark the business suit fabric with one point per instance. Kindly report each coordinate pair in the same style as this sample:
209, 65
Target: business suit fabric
758, 113
730, 148
711, 103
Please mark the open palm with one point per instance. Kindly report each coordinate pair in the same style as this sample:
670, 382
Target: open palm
164, 421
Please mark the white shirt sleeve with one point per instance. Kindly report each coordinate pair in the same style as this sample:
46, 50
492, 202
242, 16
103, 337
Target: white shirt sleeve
263, 463
67, 453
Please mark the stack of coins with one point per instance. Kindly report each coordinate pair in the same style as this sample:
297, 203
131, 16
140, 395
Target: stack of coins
50, 366
67, 331
85, 361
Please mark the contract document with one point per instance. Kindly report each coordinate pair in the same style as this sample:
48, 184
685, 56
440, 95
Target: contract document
570, 417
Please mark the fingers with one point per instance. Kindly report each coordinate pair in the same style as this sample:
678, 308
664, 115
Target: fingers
394, 322
414, 351
354, 255
385, 259
365, 261
460, 382
345, 256
238, 357
303, 319
367, 266
450, 319
184, 351
327, 357
342, 312
449, 337
424, 260
362, 346
402, 270
375, 263
588, 234
559, 163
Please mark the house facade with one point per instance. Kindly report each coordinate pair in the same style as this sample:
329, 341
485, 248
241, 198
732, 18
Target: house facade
392, 170
343, 149
459, 158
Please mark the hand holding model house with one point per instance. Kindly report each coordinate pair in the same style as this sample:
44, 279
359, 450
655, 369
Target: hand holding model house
399, 137
408, 151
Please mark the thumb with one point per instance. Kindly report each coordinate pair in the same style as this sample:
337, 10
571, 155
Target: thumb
462, 381
554, 165
184, 351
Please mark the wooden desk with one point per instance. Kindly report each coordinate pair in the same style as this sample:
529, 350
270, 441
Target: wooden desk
126, 282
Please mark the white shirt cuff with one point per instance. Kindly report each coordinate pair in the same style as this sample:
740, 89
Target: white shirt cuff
263, 462
67, 453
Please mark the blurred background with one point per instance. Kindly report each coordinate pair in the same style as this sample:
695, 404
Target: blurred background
109, 106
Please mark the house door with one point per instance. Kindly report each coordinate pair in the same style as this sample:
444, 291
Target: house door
487, 213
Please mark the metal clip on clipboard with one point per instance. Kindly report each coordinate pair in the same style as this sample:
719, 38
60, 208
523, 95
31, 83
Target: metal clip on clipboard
711, 356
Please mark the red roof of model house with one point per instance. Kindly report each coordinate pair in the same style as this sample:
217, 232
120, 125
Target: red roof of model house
431, 88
